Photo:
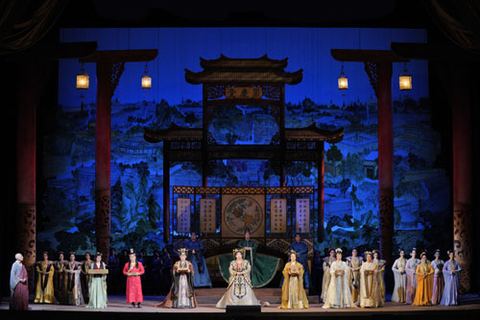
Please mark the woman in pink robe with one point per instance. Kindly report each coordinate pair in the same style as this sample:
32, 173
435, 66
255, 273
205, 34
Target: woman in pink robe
133, 270
18, 285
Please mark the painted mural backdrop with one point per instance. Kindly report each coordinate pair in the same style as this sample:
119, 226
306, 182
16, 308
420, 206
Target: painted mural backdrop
351, 167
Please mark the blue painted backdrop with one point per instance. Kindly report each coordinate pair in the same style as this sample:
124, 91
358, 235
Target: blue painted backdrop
351, 197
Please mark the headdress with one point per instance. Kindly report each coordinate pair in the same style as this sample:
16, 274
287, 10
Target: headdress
375, 251
242, 251
183, 251
60, 252
424, 253
437, 251
366, 253
414, 249
450, 251
331, 249
73, 252
338, 250
131, 252
99, 254
290, 252
45, 252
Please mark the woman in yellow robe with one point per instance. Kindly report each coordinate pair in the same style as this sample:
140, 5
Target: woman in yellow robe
44, 289
424, 274
293, 294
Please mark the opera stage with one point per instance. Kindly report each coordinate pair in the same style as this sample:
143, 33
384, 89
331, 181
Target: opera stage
118, 309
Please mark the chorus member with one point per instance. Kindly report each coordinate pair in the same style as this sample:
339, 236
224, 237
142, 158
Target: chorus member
424, 273
301, 249
182, 293
60, 279
338, 294
400, 277
381, 267
18, 284
85, 276
370, 283
113, 266
293, 293
451, 273
166, 271
410, 269
354, 262
98, 285
317, 274
327, 261
438, 282
74, 286
201, 278
239, 289
133, 270
44, 292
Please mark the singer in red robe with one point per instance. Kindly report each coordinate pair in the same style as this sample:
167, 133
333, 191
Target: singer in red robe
133, 270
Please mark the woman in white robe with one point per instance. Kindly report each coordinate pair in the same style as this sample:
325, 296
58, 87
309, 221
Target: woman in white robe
400, 289
239, 290
338, 294
370, 283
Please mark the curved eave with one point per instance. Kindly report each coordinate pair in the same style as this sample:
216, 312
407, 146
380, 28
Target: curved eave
312, 133
263, 61
272, 76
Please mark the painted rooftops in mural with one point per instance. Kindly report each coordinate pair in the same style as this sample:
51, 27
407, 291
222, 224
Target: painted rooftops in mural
258, 70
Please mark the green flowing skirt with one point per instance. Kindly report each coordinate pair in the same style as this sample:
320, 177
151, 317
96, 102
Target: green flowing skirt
263, 271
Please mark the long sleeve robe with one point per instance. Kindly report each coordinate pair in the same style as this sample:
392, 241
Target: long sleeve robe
410, 269
201, 277
327, 261
423, 294
400, 277
451, 272
74, 285
293, 293
18, 289
371, 285
438, 282
134, 283
302, 253
354, 263
182, 292
97, 287
338, 294
44, 292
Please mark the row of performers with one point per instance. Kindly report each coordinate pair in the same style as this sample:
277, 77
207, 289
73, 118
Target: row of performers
361, 282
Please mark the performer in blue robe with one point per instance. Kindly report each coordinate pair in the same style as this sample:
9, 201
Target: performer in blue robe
201, 278
302, 253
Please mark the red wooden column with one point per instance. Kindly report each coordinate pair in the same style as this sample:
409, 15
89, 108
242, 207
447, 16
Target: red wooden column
108, 75
31, 80
321, 191
385, 157
462, 172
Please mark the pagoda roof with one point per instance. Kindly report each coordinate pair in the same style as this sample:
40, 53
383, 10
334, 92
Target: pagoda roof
176, 133
248, 70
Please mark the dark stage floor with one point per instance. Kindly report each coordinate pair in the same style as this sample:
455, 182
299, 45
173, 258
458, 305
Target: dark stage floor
118, 309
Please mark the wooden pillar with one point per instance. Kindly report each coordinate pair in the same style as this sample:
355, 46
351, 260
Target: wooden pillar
108, 75
166, 192
31, 81
321, 191
385, 158
463, 221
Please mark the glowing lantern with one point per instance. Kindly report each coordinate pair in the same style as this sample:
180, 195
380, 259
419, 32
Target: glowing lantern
146, 79
405, 80
83, 80
342, 80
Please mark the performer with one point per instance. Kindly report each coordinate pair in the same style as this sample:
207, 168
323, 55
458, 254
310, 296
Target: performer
451, 272
293, 294
317, 274
74, 287
133, 270
60, 279
424, 273
370, 283
338, 294
44, 292
182, 293
301, 249
18, 285
98, 285
264, 267
381, 267
156, 269
327, 262
354, 263
201, 278
84, 276
240, 289
438, 282
400, 289
166, 272
410, 269
113, 266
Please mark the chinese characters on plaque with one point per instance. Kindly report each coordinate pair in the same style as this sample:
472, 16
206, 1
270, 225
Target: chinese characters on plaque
183, 215
302, 215
278, 215
243, 92
207, 215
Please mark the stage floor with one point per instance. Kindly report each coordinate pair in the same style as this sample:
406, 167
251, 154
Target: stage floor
119, 309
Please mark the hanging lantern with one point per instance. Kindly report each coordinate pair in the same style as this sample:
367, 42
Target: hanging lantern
83, 80
342, 80
405, 80
146, 79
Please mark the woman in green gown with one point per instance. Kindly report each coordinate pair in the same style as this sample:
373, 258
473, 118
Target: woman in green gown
264, 267
97, 286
